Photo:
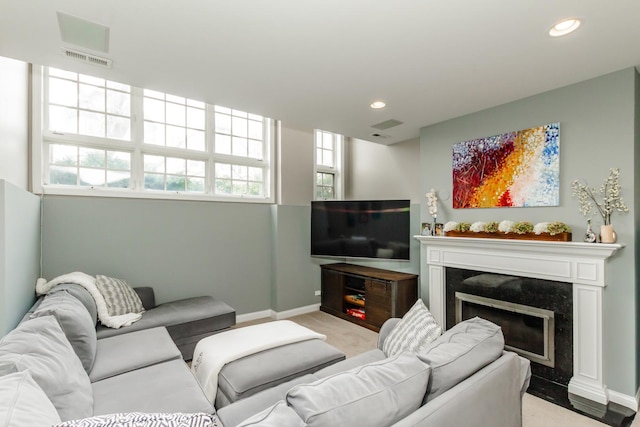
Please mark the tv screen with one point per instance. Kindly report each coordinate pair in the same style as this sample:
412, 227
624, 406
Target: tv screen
361, 228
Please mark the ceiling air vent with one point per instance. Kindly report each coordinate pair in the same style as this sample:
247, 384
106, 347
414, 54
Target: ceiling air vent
387, 124
86, 57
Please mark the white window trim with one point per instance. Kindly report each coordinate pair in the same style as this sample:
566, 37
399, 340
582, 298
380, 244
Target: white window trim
337, 170
40, 142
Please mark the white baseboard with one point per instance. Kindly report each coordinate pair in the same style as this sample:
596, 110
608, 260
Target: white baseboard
625, 400
277, 315
296, 311
254, 316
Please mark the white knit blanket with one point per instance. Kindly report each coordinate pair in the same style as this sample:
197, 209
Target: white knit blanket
89, 283
213, 352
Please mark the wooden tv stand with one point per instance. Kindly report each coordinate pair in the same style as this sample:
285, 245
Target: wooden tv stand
380, 294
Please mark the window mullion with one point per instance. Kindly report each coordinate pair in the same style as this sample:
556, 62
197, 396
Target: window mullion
137, 139
210, 143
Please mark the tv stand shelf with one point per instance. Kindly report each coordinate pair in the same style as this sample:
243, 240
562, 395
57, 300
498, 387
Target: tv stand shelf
366, 296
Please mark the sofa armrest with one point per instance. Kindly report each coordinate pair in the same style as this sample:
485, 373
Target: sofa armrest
386, 327
490, 397
147, 296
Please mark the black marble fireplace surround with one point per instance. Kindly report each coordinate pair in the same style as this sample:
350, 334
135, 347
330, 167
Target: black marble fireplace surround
547, 382
549, 295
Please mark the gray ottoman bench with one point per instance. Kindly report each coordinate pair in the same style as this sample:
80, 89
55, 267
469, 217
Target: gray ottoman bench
266, 369
239, 363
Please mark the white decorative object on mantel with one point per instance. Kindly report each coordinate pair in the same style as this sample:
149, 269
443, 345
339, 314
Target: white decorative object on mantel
581, 264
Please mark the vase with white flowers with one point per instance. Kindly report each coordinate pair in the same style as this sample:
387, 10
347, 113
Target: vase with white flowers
432, 206
604, 201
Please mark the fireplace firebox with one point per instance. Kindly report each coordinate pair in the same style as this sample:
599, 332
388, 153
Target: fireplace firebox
536, 316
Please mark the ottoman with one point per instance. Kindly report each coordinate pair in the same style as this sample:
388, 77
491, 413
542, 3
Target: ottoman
238, 363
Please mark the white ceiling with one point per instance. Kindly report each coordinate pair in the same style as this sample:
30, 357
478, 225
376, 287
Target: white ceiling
320, 63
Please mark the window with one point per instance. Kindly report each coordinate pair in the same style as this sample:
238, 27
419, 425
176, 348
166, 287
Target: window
328, 165
91, 139
89, 106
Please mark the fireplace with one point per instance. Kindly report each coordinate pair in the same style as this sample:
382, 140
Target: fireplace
536, 316
576, 267
528, 331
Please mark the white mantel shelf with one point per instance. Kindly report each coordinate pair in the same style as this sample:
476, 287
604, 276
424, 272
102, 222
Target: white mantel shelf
581, 264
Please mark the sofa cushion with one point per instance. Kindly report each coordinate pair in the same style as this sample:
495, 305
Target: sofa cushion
164, 387
416, 329
24, 404
460, 352
236, 412
76, 324
190, 316
40, 346
120, 297
248, 375
278, 415
127, 352
377, 394
138, 419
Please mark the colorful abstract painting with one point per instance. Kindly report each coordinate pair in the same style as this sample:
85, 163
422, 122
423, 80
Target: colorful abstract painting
514, 169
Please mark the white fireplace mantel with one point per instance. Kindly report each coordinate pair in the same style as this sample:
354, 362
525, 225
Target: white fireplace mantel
581, 264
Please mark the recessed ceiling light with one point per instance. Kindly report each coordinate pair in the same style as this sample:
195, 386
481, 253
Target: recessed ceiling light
564, 27
377, 104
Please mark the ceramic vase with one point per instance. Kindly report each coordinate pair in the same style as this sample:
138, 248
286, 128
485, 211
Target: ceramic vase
607, 235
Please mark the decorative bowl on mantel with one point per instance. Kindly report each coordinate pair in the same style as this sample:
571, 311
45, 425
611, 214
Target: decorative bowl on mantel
559, 237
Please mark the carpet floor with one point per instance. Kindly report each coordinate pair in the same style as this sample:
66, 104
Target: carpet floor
352, 339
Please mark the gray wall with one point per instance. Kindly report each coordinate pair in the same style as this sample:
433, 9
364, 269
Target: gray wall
636, 215
182, 248
598, 130
19, 253
14, 122
296, 274
378, 171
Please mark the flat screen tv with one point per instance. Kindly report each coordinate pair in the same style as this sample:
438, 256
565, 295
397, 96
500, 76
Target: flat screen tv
361, 229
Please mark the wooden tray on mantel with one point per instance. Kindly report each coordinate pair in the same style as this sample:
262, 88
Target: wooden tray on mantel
560, 237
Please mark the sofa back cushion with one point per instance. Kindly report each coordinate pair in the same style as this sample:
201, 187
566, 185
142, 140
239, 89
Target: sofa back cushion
39, 346
460, 352
82, 295
278, 415
24, 404
76, 324
376, 394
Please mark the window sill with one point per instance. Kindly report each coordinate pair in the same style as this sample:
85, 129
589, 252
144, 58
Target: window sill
130, 194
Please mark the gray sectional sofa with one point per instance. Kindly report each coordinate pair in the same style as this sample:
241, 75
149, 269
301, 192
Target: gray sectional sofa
55, 366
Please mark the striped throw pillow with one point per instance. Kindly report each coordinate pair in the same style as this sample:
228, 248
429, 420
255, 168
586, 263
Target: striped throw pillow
416, 329
119, 296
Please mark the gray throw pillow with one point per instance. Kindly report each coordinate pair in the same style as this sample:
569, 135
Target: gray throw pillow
39, 346
373, 395
119, 296
24, 404
461, 351
76, 324
416, 329
278, 415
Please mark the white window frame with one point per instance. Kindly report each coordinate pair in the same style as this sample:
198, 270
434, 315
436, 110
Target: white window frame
42, 138
338, 164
